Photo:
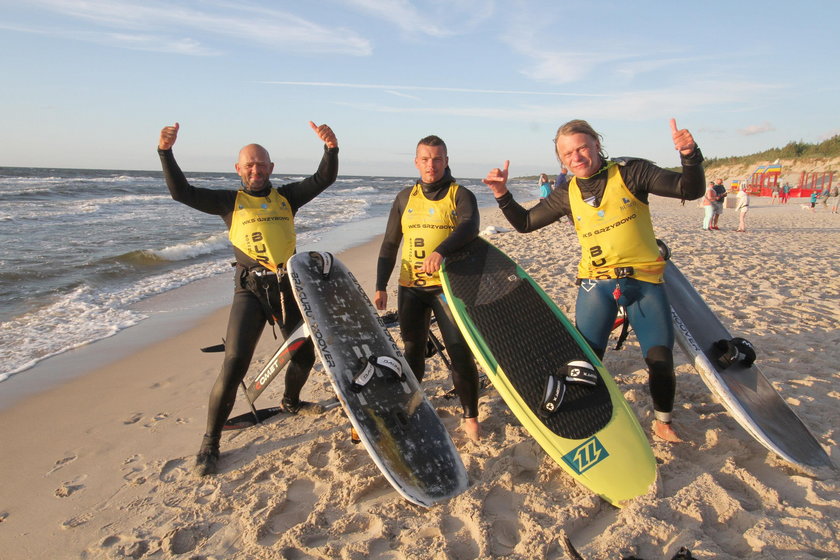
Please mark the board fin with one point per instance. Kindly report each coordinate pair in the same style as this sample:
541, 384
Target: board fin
215, 347
247, 419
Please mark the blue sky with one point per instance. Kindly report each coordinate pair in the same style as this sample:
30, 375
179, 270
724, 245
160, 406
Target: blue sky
90, 84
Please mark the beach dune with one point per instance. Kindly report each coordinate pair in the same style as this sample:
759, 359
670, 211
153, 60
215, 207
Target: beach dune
99, 466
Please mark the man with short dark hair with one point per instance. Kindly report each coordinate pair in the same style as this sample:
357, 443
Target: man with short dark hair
433, 219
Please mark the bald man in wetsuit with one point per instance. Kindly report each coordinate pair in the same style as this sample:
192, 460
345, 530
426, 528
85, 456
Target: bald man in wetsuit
260, 220
607, 200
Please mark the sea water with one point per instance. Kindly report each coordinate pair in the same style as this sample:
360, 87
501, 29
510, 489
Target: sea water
80, 248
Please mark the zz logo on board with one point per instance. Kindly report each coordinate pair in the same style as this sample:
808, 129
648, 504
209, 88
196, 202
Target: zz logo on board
586, 455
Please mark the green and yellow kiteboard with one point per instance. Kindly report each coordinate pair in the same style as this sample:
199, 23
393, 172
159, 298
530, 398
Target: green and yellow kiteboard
547, 374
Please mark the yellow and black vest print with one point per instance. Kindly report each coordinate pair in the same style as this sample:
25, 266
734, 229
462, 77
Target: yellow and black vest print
425, 224
615, 235
263, 227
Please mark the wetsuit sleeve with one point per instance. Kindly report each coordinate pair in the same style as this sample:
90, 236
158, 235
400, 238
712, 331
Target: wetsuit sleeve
643, 178
304, 191
466, 209
211, 201
391, 242
547, 211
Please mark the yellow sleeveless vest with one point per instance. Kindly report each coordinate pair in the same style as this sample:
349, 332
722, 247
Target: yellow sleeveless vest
425, 224
618, 234
263, 228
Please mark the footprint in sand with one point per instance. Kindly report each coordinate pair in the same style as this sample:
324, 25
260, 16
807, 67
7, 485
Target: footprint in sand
132, 459
134, 475
71, 487
76, 521
466, 530
502, 507
61, 462
172, 470
134, 418
125, 547
182, 540
158, 417
319, 456
299, 503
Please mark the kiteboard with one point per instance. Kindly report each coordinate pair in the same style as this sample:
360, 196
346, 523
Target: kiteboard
727, 367
374, 384
547, 374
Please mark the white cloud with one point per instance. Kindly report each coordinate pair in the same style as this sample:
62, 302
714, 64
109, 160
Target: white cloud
394, 88
434, 18
401, 94
243, 22
680, 102
757, 129
184, 46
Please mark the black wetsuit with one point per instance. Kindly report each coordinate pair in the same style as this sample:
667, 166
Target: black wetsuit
248, 312
642, 178
416, 304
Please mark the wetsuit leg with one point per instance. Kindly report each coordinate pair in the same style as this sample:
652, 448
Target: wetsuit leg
464, 371
662, 381
595, 313
415, 316
650, 317
301, 364
245, 325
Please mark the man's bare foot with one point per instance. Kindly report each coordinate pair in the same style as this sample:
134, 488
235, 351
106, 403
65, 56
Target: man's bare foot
665, 431
470, 426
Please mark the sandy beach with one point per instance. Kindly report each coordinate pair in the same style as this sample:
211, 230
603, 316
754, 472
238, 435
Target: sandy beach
99, 466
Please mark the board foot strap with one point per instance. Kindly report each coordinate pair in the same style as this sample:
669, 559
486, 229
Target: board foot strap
577, 372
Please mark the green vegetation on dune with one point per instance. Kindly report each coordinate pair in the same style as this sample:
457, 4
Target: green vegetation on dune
827, 149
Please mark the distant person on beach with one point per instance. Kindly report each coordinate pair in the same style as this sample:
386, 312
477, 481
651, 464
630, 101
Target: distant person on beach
826, 192
562, 178
620, 260
835, 199
544, 185
813, 201
775, 198
742, 206
708, 209
433, 219
785, 193
262, 292
717, 204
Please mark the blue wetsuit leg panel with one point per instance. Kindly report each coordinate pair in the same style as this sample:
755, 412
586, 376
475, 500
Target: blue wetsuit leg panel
595, 312
650, 316
647, 307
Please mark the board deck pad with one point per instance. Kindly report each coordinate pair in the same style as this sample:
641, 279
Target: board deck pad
743, 390
520, 337
396, 423
585, 411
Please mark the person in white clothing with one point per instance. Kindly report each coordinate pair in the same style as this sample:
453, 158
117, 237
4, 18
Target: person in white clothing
742, 204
